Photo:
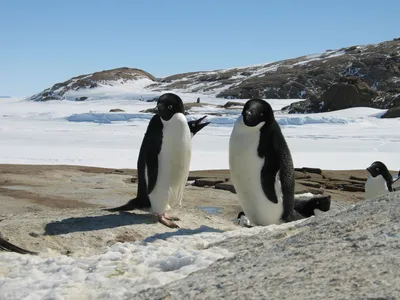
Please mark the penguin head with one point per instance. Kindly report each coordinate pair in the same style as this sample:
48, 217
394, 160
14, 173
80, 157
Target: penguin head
379, 168
240, 214
256, 111
169, 104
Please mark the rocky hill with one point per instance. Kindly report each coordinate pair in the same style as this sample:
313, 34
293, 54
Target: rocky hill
91, 81
367, 75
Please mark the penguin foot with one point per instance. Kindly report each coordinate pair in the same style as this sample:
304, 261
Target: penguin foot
171, 218
163, 220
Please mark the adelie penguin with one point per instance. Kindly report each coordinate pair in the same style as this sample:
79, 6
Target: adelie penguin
380, 181
262, 169
164, 160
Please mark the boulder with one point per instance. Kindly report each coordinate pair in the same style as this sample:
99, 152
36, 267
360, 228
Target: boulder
232, 103
227, 186
392, 113
348, 92
202, 182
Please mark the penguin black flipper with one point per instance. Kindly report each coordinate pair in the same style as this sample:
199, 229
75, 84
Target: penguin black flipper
7, 246
147, 163
277, 159
148, 157
271, 162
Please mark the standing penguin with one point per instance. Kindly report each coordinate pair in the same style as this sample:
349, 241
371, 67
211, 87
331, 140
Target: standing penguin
164, 160
261, 166
262, 169
380, 181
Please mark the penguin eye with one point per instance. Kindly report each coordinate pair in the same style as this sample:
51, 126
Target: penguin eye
193, 125
261, 114
169, 106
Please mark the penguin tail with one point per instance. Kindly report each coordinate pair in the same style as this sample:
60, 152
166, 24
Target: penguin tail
131, 205
7, 246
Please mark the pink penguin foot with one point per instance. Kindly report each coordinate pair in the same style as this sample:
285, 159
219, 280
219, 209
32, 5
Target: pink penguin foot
167, 222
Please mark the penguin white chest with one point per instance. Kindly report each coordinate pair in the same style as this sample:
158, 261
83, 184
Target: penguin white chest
375, 187
173, 164
245, 166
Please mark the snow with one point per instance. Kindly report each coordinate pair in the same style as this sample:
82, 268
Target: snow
121, 271
320, 56
86, 133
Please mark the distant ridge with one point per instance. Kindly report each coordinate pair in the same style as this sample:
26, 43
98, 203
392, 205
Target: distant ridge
374, 68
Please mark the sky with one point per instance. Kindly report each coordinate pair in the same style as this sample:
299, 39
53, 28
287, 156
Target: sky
43, 42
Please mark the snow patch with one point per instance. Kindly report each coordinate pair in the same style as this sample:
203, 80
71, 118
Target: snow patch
122, 270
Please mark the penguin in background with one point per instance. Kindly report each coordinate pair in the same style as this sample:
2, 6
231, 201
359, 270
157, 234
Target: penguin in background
380, 181
164, 160
262, 170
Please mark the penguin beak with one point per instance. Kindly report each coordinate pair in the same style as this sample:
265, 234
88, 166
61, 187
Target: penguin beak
250, 117
369, 171
160, 107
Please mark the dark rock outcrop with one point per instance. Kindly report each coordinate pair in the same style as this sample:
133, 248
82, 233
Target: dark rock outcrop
306, 77
348, 92
229, 104
392, 113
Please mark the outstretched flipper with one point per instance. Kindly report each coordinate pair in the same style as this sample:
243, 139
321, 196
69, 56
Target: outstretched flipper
196, 125
7, 246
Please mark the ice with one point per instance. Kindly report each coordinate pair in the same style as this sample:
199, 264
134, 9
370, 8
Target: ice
86, 133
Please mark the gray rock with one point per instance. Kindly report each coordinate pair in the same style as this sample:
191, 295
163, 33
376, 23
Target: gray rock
116, 110
202, 182
351, 253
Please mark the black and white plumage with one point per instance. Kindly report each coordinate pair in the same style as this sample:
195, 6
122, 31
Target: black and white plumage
380, 181
164, 160
261, 166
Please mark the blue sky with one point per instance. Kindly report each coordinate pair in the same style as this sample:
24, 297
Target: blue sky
43, 42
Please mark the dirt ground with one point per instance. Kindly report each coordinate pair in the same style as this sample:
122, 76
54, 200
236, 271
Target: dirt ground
57, 209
